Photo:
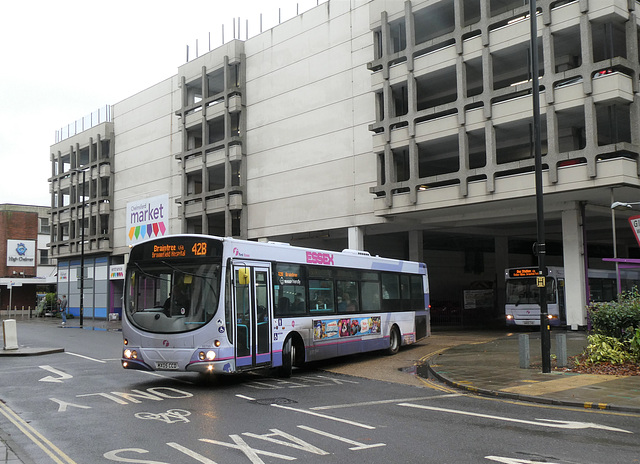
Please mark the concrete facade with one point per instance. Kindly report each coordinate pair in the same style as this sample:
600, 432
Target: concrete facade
402, 128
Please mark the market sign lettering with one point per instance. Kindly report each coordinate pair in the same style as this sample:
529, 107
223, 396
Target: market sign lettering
147, 218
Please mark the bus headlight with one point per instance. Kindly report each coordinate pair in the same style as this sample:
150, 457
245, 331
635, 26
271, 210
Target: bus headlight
209, 356
130, 354
551, 316
126, 342
216, 343
509, 317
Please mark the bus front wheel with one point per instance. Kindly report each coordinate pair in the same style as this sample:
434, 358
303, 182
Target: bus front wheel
394, 341
288, 357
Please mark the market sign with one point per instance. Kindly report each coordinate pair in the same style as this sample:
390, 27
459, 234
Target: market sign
147, 218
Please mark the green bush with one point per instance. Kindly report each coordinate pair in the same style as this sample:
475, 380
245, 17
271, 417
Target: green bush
631, 339
614, 318
51, 301
602, 348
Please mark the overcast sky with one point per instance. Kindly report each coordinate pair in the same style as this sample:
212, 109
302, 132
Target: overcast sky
62, 60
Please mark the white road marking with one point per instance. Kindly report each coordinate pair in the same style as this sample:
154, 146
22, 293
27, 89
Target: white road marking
324, 416
49, 378
513, 460
86, 357
358, 446
371, 403
543, 422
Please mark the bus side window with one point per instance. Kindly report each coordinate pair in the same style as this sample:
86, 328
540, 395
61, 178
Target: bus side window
370, 296
289, 291
347, 296
405, 292
391, 292
321, 295
417, 293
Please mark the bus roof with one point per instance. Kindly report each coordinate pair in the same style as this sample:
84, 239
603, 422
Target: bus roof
238, 249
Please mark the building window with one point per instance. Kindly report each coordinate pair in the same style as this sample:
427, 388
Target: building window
194, 225
216, 177
401, 164
235, 223
43, 226
400, 97
398, 34
44, 257
215, 224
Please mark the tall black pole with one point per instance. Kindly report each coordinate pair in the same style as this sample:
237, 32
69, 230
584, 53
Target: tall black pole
545, 336
82, 256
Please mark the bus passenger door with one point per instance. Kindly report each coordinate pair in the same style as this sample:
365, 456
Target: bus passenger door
252, 297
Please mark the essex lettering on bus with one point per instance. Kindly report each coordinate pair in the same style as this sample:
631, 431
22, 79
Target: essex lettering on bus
320, 258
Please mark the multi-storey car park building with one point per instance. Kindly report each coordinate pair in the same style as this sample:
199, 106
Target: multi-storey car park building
400, 128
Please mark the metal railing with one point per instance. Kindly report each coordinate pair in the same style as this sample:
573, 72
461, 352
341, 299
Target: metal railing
87, 122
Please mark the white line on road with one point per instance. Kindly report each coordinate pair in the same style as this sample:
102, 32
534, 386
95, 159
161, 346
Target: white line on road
371, 403
324, 416
357, 445
86, 357
544, 422
175, 379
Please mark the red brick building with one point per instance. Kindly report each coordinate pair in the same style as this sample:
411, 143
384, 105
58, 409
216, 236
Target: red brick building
25, 270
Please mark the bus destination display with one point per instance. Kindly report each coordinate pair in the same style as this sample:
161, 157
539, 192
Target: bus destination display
524, 272
183, 248
178, 251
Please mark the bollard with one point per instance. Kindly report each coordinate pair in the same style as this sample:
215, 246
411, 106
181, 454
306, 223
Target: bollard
10, 334
523, 342
561, 349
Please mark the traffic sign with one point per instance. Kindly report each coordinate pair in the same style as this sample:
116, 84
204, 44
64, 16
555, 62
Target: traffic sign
634, 222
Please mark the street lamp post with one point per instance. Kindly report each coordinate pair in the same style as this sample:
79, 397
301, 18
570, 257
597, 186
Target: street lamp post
545, 336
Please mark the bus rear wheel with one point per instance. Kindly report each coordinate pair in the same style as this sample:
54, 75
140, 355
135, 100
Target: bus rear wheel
394, 341
288, 357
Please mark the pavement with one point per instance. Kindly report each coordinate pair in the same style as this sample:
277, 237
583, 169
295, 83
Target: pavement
7, 453
492, 368
479, 362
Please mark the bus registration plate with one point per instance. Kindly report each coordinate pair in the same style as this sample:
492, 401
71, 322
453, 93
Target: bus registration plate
166, 365
528, 322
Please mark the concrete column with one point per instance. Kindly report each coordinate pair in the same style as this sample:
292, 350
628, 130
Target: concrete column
416, 249
356, 238
502, 263
574, 273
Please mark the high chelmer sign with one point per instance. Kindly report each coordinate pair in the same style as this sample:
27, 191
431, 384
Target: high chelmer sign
147, 218
21, 253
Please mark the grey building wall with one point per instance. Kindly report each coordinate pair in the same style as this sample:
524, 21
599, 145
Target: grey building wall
400, 127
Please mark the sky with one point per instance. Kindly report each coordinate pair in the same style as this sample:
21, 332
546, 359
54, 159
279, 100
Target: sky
63, 60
